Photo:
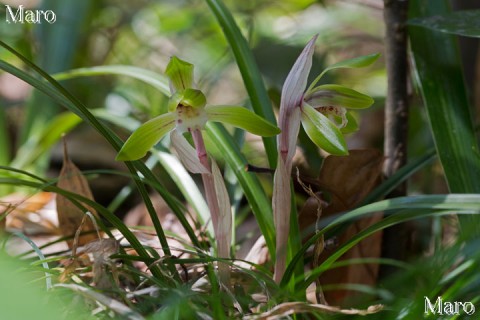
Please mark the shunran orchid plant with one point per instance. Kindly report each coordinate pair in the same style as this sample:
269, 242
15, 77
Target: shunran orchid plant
188, 113
322, 111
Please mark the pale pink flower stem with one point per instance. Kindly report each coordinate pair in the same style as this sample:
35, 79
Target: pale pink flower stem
223, 245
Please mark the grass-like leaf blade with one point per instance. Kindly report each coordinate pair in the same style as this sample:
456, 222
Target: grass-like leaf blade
465, 203
438, 66
156, 80
249, 70
463, 23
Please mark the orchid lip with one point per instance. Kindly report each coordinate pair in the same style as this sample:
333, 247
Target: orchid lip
189, 118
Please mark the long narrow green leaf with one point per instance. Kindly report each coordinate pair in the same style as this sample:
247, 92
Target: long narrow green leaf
39, 143
465, 203
358, 62
464, 23
156, 80
399, 177
394, 219
249, 70
48, 276
19, 172
255, 194
438, 66
56, 51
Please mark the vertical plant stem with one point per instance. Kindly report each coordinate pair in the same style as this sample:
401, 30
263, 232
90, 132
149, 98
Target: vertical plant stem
207, 178
281, 214
395, 239
223, 245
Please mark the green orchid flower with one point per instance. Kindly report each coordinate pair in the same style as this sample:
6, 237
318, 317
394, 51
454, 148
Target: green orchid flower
188, 111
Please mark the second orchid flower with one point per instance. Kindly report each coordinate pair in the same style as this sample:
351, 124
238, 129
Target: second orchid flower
322, 111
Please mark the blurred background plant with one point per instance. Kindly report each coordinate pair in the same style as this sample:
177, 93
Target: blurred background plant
145, 34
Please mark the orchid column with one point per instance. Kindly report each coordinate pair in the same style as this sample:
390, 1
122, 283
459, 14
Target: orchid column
322, 112
188, 113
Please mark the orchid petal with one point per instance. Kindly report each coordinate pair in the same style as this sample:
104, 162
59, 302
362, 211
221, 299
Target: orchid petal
352, 124
291, 99
180, 74
193, 98
293, 126
187, 154
338, 96
243, 118
174, 101
281, 215
189, 97
358, 62
145, 137
322, 131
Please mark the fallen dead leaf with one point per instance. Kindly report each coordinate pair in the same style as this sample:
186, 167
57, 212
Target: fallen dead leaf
30, 214
70, 216
348, 180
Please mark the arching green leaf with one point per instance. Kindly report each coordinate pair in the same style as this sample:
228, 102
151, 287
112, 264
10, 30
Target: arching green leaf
358, 62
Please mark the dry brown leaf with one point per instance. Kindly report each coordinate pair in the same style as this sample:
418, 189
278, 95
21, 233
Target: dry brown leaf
70, 216
348, 179
31, 214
